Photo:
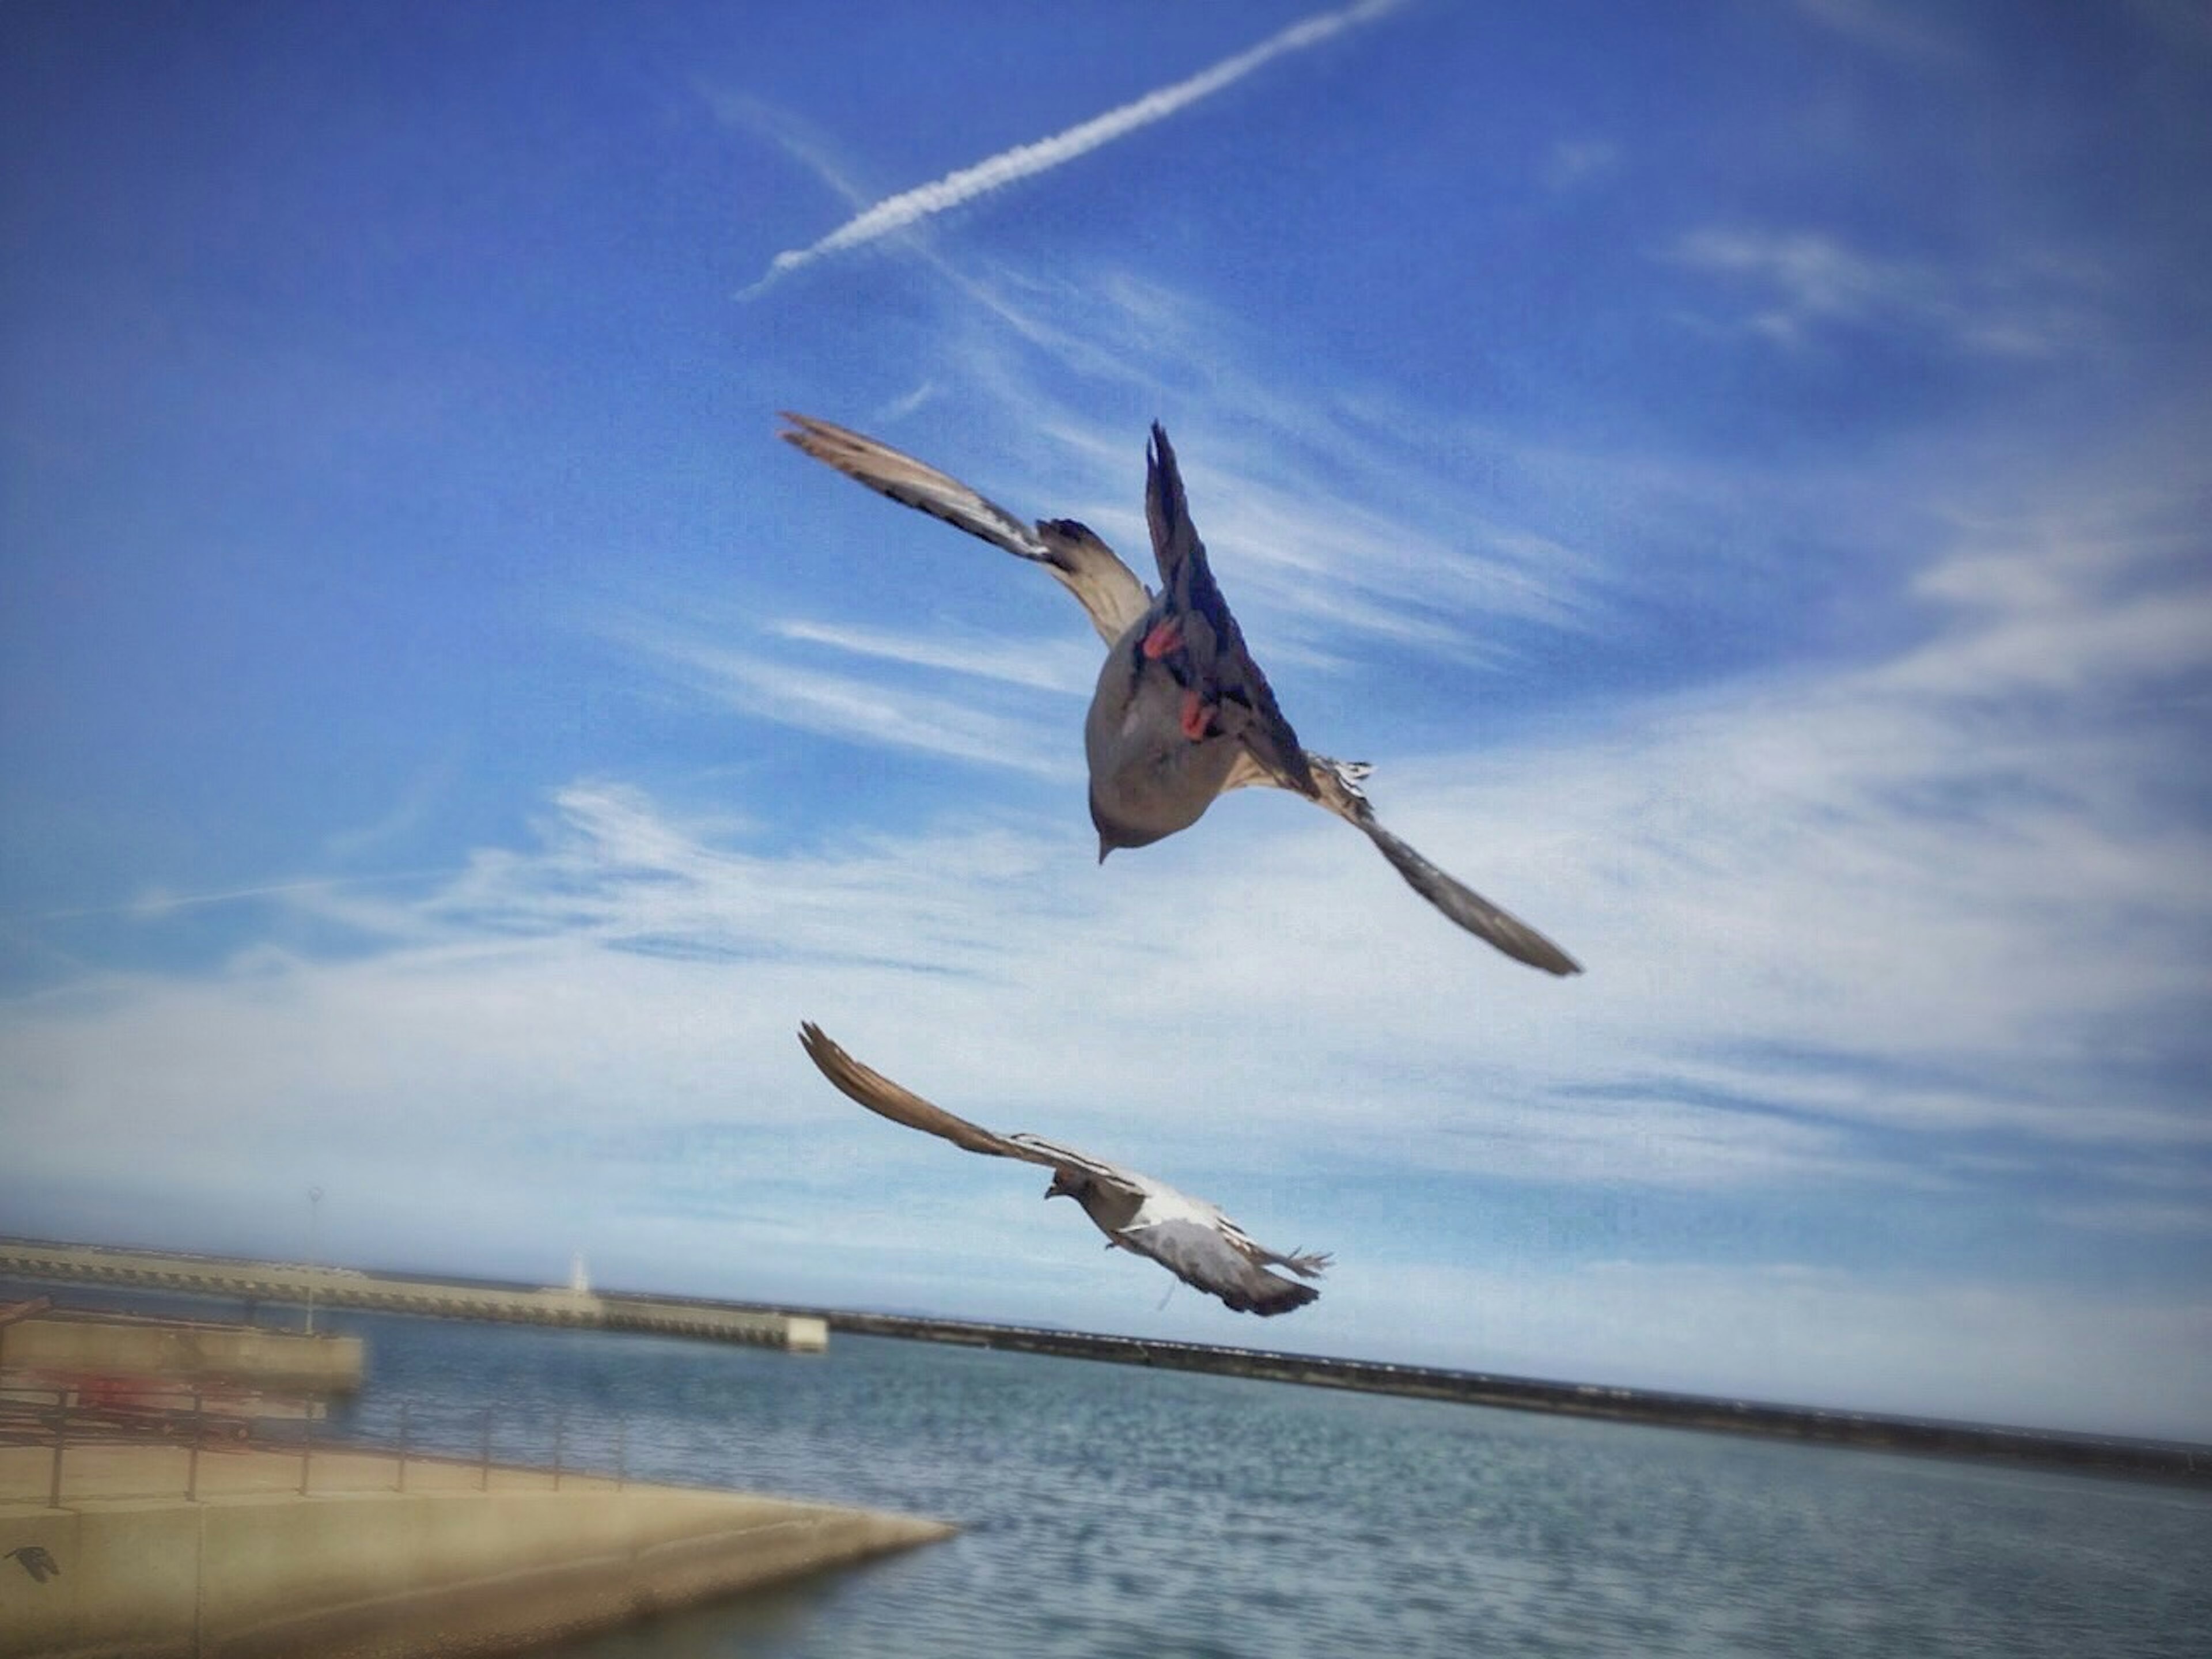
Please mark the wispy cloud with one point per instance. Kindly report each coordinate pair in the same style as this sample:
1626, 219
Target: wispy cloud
156, 903
788, 132
1807, 281
597, 1027
854, 709
1068, 667
910, 207
1329, 523
1818, 914
406, 815
1338, 569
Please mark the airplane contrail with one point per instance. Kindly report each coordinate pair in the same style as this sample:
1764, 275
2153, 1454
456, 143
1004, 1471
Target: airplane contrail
898, 212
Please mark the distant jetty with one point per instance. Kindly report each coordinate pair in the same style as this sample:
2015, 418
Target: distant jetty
298, 1283
809, 1327
2047, 1448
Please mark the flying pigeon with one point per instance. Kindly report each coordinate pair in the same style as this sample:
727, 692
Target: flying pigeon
36, 1561
1182, 713
1187, 1235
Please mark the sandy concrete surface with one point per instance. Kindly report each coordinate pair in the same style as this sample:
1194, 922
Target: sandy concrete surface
357, 1566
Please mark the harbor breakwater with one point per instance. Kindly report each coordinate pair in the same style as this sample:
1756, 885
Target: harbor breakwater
806, 1329
302, 1284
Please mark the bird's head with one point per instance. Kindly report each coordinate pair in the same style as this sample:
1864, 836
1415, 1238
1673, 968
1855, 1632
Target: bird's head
1066, 1184
1116, 833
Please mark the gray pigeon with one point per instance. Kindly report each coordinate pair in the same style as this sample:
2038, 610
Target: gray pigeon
37, 1561
1187, 1235
1182, 713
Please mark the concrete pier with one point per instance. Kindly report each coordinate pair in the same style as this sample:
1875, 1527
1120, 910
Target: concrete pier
61, 1342
357, 1567
348, 1287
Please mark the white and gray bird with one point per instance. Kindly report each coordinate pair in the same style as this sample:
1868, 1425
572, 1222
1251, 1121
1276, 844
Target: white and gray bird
1182, 713
1187, 1235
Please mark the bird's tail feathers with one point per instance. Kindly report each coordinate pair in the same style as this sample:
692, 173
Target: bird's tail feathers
1306, 1267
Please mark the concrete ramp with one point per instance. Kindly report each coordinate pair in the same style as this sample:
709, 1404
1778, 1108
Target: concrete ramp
356, 1568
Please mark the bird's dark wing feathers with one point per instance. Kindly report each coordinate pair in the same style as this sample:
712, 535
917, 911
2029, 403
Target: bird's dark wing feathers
1221, 667
1336, 786
1202, 1258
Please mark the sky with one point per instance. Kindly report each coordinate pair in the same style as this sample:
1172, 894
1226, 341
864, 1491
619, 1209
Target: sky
1737, 470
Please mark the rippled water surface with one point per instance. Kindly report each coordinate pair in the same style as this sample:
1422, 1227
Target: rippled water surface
1109, 1511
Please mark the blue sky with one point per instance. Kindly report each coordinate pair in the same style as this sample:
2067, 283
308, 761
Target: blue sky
1738, 471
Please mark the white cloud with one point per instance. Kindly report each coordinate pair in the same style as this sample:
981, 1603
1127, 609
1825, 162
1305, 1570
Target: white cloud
1333, 569
910, 207
1273, 494
1318, 578
860, 710
155, 902
1833, 899
1068, 667
1807, 283
406, 816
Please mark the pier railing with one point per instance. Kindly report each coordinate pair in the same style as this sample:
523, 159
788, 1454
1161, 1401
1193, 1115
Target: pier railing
59, 1449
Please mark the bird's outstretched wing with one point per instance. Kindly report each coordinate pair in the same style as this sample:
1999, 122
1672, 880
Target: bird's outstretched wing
901, 1105
1207, 1259
1213, 655
1336, 786
1108, 590
887, 1099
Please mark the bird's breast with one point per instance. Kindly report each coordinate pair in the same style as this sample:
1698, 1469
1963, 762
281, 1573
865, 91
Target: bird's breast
1110, 1209
1143, 771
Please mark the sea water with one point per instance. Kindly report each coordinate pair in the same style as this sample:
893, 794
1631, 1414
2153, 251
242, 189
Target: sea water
1110, 1510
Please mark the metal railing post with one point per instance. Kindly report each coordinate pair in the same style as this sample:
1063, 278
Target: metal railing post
61, 1434
192, 1459
307, 1447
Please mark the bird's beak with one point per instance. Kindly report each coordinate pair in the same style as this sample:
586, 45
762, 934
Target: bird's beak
1104, 847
